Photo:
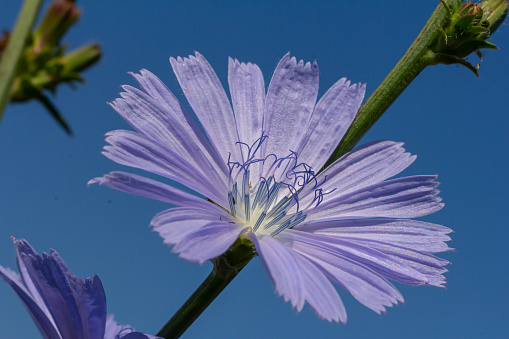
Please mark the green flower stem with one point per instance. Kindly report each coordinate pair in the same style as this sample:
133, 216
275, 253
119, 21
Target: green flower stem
14, 49
416, 58
196, 304
226, 267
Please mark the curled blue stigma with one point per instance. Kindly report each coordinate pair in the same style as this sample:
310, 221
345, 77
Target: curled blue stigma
266, 204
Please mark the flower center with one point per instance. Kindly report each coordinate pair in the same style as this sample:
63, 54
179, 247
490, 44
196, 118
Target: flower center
264, 192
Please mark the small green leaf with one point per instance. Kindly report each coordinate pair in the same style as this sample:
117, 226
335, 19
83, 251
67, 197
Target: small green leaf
53, 111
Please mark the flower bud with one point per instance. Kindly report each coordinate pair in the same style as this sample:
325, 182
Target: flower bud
45, 63
58, 19
80, 59
3, 41
467, 29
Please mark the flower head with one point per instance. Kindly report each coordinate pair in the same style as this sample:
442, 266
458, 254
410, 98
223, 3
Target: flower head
61, 305
258, 168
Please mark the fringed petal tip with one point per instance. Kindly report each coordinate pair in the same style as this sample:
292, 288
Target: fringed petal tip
190, 257
299, 280
299, 307
98, 180
104, 180
23, 248
19, 242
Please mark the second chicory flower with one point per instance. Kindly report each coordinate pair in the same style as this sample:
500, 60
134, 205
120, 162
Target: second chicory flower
61, 305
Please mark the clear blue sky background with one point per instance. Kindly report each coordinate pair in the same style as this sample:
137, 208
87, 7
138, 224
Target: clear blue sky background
455, 123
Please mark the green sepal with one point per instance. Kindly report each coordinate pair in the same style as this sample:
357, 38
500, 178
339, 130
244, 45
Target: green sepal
55, 114
484, 44
447, 59
237, 256
479, 30
466, 30
465, 22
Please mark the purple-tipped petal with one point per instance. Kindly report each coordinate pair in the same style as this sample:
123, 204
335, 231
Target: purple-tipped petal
290, 101
283, 269
411, 234
43, 319
298, 280
428, 265
22, 246
175, 224
67, 299
379, 262
367, 165
247, 90
157, 90
208, 242
176, 120
132, 149
61, 305
91, 300
157, 121
364, 284
208, 99
116, 331
135, 184
374, 225
51, 281
332, 116
407, 197
319, 292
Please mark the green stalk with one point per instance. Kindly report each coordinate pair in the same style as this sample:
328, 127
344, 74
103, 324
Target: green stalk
196, 304
14, 49
226, 267
416, 58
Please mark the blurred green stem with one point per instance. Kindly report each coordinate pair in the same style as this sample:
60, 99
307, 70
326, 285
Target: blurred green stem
15, 46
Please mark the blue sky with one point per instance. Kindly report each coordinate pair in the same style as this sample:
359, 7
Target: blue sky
455, 123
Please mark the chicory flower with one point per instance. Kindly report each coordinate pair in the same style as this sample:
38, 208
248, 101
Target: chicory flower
259, 168
61, 305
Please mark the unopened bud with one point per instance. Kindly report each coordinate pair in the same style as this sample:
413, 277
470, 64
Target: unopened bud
59, 17
467, 29
3, 42
80, 59
45, 63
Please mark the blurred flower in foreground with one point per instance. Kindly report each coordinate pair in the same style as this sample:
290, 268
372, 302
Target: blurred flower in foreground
61, 305
45, 64
259, 173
